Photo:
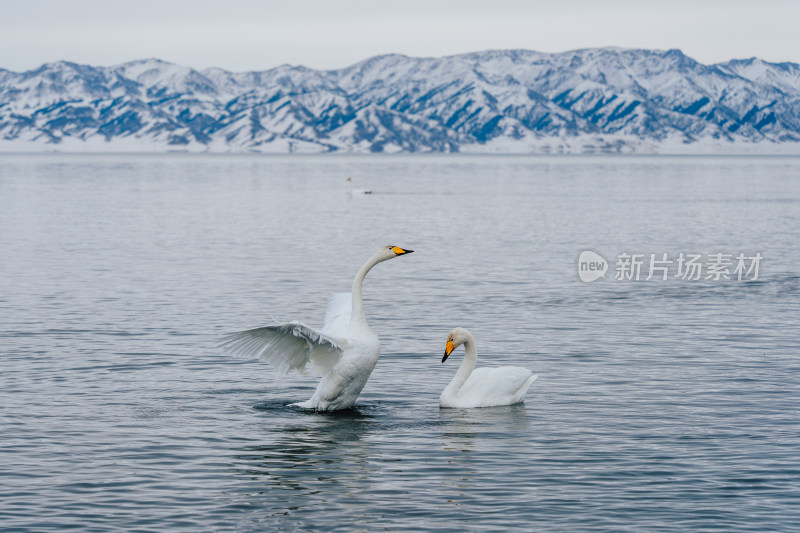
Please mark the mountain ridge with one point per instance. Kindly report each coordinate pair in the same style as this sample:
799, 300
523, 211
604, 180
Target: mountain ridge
592, 100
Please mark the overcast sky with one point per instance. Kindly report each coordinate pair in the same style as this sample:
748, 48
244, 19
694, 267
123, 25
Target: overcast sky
256, 35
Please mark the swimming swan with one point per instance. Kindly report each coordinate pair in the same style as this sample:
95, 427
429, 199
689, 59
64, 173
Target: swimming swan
350, 189
344, 351
484, 387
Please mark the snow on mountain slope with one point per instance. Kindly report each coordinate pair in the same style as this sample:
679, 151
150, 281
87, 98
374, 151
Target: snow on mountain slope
783, 76
591, 100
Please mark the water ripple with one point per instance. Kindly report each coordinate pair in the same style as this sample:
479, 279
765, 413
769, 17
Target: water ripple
660, 405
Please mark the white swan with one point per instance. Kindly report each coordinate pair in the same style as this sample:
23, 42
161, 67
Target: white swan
351, 191
344, 351
484, 387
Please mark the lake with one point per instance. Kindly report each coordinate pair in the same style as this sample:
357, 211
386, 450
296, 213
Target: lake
660, 405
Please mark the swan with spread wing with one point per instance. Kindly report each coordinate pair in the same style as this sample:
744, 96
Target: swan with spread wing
344, 350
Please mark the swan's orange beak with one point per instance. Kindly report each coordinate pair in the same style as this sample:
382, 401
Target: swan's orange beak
399, 251
448, 349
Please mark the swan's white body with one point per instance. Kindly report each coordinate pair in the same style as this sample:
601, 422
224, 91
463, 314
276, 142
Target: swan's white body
344, 351
351, 191
482, 387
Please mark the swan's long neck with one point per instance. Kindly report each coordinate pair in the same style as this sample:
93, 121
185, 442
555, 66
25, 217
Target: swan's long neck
467, 366
358, 315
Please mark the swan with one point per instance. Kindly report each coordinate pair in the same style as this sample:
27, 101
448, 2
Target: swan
344, 351
484, 387
350, 189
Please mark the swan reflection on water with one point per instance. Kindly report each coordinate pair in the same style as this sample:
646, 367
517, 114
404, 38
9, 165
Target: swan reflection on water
371, 456
464, 427
308, 447
323, 438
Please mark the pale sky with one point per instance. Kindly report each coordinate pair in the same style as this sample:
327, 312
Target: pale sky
243, 35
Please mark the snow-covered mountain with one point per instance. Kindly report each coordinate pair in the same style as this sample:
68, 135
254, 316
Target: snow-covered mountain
593, 100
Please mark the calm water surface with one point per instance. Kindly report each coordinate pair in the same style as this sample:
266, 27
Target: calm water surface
661, 405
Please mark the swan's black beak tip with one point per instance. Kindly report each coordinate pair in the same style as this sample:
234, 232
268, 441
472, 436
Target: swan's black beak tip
448, 349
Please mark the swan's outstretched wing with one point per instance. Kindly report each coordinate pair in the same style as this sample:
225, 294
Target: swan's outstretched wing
337, 316
289, 346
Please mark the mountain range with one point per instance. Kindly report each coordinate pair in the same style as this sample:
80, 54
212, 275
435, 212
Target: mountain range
600, 100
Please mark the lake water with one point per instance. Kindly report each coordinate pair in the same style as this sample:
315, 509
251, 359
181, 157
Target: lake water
660, 405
